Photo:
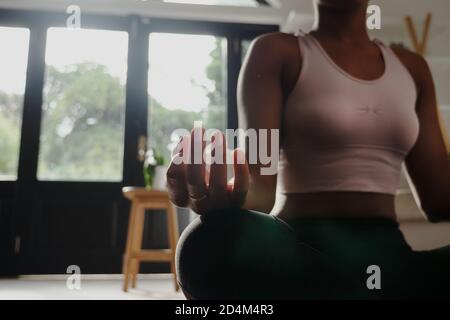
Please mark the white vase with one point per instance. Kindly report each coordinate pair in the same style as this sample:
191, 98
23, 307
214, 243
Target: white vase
159, 181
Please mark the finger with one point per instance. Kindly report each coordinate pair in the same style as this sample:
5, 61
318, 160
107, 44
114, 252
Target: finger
241, 177
176, 175
183, 144
218, 172
196, 166
195, 170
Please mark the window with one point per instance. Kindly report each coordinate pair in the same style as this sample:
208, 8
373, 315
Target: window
245, 47
13, 63
82, 132
187, 82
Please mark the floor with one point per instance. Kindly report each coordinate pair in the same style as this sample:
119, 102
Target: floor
92, 287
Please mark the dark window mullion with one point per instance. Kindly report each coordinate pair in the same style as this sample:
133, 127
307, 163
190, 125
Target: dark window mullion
136, 100
29, 145
233, 65
32, 109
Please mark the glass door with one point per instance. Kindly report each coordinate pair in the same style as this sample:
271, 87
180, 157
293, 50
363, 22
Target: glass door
70, 207
13, 66
187, 83
82, 127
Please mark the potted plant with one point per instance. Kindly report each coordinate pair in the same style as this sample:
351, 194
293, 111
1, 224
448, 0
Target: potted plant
154, 170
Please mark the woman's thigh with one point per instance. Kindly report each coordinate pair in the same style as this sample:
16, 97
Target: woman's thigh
234, 254
240, 254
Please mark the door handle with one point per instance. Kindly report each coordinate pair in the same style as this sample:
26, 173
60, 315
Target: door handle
142, 148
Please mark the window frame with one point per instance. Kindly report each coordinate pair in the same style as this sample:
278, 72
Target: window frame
19, 26
234, 33
139, 28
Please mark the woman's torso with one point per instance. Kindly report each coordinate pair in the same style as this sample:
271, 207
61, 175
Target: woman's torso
365, 63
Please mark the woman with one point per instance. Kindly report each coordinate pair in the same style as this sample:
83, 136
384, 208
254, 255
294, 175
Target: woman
350, 111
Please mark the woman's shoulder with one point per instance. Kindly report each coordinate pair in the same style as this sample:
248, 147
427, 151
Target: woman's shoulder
278, 44
414, 63
279, 47
277, 38
280, 53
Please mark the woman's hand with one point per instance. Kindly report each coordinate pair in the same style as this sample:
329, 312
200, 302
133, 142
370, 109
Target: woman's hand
192, 185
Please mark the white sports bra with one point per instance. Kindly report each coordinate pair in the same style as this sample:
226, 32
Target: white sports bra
346, 134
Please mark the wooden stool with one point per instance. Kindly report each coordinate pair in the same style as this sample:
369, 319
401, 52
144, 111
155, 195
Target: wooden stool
142, 199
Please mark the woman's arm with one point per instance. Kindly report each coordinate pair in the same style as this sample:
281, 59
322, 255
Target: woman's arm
266, 79
427, 163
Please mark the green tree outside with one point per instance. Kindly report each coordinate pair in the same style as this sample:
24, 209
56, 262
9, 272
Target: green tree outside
83, 122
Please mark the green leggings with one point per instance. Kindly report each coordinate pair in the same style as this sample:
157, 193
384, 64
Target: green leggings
240, 254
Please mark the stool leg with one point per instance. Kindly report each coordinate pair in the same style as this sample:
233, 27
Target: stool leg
128, 249
172, 231
137, 243
134, 271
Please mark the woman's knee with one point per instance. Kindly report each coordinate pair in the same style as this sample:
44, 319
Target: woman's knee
220, 250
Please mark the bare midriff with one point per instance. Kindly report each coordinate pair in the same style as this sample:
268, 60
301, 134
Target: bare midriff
335, 205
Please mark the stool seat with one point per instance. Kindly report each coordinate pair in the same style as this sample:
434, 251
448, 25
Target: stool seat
132, 193
142, 199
